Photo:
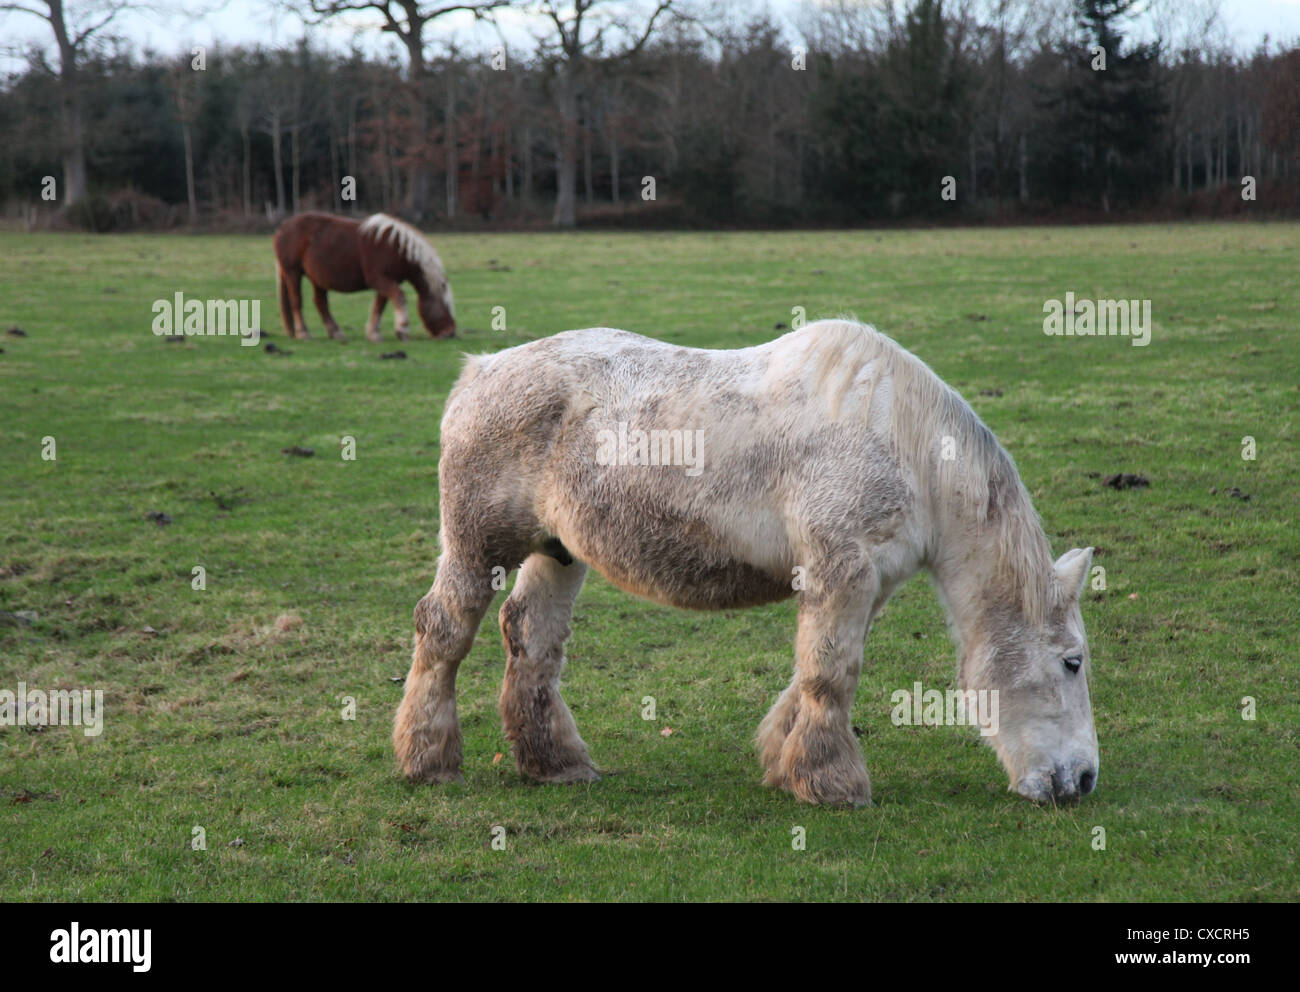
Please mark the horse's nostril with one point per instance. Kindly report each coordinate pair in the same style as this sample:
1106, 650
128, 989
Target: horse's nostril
1086, 781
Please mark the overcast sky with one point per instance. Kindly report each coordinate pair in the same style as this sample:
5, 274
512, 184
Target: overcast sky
254, 22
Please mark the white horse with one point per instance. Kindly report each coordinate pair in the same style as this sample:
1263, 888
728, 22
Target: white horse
829, 464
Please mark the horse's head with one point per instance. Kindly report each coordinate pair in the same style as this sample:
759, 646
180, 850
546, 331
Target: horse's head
1044, 733
437, 314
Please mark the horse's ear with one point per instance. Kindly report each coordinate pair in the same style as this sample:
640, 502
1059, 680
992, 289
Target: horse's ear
1072, 570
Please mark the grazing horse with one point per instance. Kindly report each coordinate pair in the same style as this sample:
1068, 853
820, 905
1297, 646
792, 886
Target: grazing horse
347, 256
829, 464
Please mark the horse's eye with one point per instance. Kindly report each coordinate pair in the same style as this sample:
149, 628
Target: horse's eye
1073, 663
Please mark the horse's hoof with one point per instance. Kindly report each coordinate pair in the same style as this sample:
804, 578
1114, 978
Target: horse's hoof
436, 776
571, 775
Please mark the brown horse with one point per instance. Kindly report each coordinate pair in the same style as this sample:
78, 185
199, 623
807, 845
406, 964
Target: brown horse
347, 256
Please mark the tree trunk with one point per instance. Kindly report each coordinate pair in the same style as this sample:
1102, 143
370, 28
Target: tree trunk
335, 182
452, 155
566, 151
352, 149
73, 145
190, 193
295, 144
587, 179
419, 170
528, 164
974, 169
248, 169
1024, 171
613, 163
277, 158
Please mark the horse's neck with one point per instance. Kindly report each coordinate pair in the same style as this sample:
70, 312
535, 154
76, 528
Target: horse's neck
971, 580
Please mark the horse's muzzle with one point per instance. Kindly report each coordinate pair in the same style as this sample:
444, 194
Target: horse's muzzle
1065, 784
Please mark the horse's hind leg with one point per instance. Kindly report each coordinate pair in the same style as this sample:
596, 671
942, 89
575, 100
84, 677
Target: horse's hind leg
323, 307
806, 742
535, 625
293, 288
376, 314
426, 735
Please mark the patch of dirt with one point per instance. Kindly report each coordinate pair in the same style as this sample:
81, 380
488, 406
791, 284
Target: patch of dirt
1126, 480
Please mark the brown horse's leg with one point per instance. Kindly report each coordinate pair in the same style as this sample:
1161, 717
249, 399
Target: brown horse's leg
807, 741
293, 285
393, 291
323, 306
376, 314
426, 735
286, 307
535, 625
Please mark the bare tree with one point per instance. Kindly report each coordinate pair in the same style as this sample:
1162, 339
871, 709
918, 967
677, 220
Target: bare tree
579, 36
184, 84
74, 25
407, 20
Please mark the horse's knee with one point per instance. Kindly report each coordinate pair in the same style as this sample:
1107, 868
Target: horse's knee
445, 628
534, 634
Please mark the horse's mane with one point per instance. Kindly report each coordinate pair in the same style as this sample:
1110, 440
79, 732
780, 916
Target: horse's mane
416, 248
980, 487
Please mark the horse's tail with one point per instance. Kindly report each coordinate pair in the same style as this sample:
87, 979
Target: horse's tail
286, 307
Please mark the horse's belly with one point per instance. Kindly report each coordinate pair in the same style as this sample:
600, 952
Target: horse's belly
674, 553
698, 582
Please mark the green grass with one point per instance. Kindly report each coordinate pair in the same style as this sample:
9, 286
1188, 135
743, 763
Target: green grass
229, 717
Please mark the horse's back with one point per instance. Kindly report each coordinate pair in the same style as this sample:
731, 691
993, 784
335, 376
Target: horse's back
695, 477
325, 248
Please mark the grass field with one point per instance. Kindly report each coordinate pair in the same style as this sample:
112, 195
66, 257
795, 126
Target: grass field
229, 714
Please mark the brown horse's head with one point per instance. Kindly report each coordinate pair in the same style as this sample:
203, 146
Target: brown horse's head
436, 311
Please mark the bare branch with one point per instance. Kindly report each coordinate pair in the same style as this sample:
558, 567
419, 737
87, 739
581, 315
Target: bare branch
25, 10
85, 33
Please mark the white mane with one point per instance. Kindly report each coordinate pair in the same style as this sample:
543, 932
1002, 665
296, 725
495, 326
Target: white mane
415, 247
981, 482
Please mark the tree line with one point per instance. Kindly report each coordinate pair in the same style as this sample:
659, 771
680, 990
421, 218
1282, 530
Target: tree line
656, 113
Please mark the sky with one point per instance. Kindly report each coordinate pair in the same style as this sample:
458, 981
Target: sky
257, 22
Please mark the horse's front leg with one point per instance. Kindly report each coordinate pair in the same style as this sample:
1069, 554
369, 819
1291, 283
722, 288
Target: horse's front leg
426, 735
535, 625
323, 307
402, 322
376, 314
806, 742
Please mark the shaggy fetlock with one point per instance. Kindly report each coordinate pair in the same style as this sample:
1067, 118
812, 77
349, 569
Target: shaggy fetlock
426, 734
543, 737
773, 731
822, 764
